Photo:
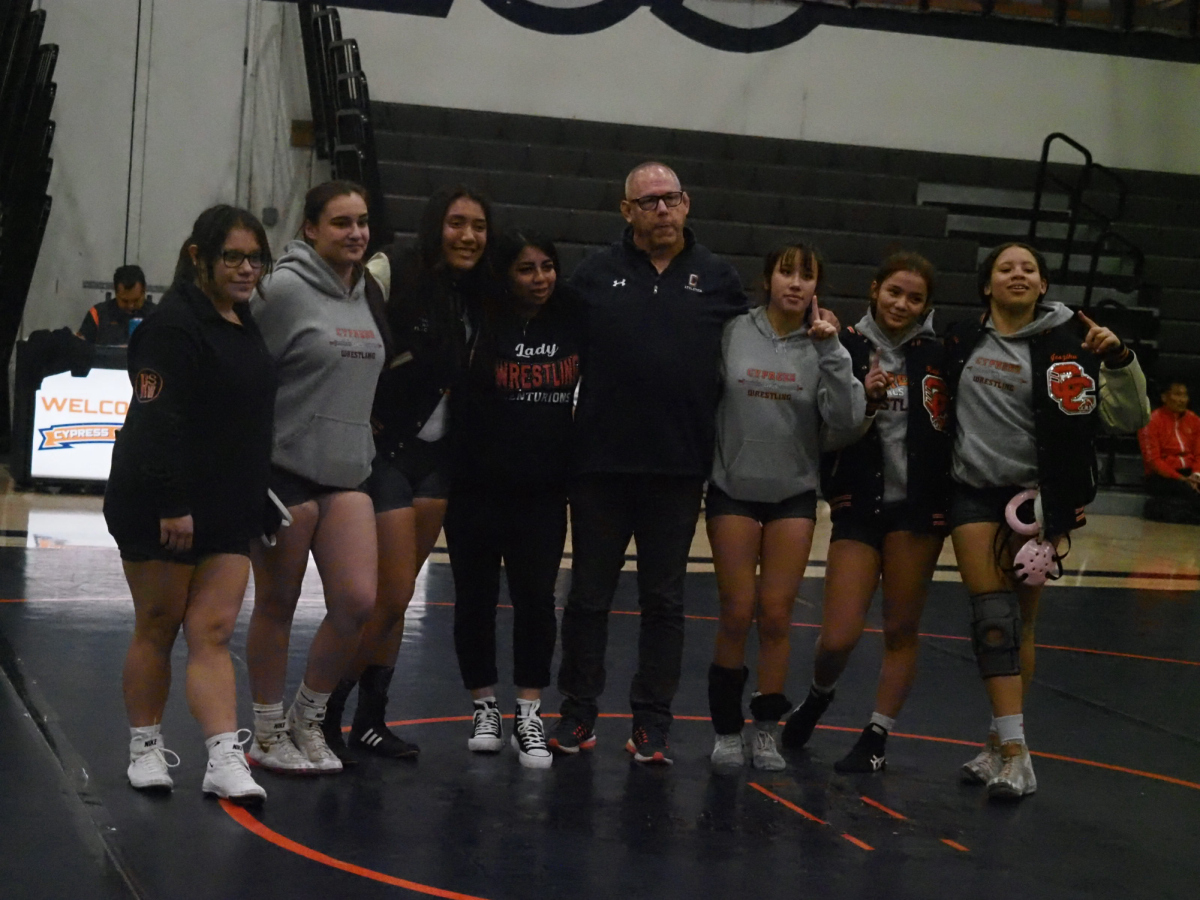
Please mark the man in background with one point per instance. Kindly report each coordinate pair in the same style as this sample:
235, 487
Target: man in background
113, 321
1171, 454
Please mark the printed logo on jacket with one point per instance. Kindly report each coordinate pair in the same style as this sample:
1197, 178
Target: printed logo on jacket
535, 376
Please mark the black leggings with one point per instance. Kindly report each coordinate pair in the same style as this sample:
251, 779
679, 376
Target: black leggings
526, 529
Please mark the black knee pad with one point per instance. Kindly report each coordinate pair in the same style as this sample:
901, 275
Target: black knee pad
725, 688
769, 707
996, 633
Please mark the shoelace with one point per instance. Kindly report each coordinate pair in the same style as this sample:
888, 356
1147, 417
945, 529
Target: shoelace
487, 721
161, 753
531, 733
764, 741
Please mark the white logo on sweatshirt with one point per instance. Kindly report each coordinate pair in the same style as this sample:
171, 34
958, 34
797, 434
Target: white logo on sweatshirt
523, 352
618, 282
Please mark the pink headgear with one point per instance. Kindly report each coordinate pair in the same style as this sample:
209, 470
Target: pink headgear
1036, 559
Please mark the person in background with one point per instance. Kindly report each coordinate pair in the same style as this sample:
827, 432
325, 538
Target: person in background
186, 493
113, 321
1171, 454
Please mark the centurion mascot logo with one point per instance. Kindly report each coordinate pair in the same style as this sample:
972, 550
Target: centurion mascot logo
936, 399
1073, 389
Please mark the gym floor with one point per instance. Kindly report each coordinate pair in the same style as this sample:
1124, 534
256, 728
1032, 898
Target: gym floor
1113, 719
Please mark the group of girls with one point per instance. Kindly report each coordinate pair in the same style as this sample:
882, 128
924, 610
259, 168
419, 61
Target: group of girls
303, 406
318, 405
910, 437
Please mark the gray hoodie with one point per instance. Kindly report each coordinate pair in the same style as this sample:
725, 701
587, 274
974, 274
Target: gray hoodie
777, 391
892, 421
994, 441
328, 355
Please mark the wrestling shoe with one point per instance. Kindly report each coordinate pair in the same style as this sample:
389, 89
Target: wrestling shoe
571, 735
275, 752
305, 726
228, 773
488, 734
649, 744
529, 738
867, 754
987, 763
804, 718
149, 768
764, 754
729, 751
1015, 778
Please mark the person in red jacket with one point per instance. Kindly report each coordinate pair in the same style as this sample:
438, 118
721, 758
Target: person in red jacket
1171, 450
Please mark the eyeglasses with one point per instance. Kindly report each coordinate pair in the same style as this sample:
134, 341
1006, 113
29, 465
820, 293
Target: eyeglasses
650, 201
234, 259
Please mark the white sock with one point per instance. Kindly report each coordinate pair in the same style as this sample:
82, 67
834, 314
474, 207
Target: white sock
309, 704
526, 708
884, 722
823, 690
485, 702
268, 718
1011, 728
144, 738
215, 743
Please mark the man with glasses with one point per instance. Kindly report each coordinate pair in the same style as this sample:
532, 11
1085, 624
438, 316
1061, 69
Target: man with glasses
657, 303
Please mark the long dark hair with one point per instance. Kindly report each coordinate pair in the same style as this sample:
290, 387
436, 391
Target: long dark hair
208, 235
509, 245
429, 231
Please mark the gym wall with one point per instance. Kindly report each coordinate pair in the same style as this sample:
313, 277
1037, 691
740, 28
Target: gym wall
209, 129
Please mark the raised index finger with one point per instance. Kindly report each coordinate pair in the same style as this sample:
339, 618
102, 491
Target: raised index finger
815, 310
1085, 320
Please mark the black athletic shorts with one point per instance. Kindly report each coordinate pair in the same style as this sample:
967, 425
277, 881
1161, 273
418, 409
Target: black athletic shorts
800, 506
418, 469
293, 489
899, 516
971, 504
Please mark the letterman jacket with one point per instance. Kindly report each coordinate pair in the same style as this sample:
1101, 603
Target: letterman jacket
1073, 397
428, 327
852, 477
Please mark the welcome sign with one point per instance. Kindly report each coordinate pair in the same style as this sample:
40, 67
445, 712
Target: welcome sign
75, 423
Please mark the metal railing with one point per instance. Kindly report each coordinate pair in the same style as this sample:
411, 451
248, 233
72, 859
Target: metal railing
341, 108
27, 92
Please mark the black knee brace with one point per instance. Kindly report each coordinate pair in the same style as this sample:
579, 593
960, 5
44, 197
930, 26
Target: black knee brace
725, 688
996, 633
769, 707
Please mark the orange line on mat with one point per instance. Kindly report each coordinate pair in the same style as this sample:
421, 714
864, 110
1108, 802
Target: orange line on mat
878, 805
789, 804
856, 842
247, 821
956, 845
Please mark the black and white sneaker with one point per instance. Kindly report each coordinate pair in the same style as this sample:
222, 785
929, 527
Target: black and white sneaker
529, 737
868, 753
488, 736
382, 742
800, 724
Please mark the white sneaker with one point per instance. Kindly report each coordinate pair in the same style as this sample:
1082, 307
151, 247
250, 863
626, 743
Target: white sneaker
729, 750
276, 752
148, 764
986, 765
764, 754
529, 739
228, 773
1015, 778
310, 739
488, 735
